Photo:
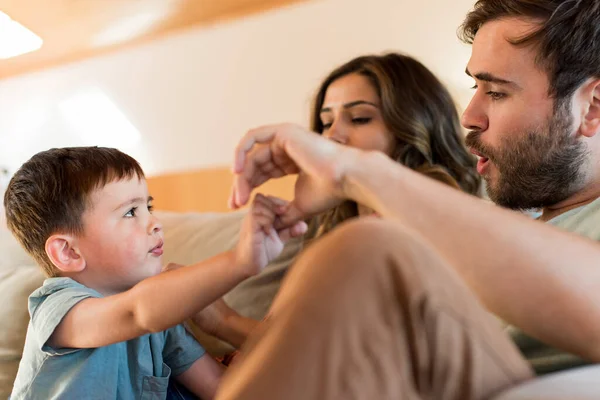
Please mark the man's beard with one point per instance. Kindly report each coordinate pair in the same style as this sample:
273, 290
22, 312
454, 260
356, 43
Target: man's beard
538, 169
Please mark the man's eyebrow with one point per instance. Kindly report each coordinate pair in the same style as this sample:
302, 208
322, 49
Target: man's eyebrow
488, 77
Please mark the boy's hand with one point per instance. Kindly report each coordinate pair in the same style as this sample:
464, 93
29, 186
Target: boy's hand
260, 243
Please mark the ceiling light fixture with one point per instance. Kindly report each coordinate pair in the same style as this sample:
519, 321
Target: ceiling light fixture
15, 39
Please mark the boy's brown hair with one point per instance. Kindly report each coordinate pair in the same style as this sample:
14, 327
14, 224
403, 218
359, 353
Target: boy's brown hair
51, 191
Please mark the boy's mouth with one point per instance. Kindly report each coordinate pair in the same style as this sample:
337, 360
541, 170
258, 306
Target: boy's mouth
158, 249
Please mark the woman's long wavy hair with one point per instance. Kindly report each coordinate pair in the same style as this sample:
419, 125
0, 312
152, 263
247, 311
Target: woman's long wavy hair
420, 114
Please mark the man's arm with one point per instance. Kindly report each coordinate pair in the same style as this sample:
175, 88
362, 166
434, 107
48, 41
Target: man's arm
543, 280
536, 277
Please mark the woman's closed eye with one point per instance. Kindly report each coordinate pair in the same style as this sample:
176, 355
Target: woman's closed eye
355, 121
361, 120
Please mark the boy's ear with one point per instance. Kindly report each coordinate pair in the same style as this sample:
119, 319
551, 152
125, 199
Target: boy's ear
64, 253
590, 125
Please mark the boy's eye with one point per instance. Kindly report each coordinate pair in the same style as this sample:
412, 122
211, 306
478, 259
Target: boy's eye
150, 207
131, 213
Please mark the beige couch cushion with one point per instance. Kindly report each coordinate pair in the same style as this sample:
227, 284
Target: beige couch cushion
19, 276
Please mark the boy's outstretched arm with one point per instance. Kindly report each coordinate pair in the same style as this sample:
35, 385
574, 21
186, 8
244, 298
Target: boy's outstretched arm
165, 300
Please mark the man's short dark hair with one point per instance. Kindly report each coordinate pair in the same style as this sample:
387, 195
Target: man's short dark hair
567, 39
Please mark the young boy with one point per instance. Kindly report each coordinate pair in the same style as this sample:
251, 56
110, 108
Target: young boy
106, 324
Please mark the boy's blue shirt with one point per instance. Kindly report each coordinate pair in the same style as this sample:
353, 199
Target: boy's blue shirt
139, 368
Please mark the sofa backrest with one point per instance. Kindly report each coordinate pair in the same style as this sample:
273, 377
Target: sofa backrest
19, 276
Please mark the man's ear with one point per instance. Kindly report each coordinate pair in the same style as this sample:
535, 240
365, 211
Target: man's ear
64, 253
590, 123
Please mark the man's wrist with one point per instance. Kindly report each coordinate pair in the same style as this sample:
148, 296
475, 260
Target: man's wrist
362, 176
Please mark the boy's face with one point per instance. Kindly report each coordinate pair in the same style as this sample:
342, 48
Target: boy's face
122, 240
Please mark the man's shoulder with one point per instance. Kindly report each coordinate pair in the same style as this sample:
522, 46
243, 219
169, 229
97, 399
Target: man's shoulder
583, 220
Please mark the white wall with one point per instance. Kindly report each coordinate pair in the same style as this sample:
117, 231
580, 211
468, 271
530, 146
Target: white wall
193, 94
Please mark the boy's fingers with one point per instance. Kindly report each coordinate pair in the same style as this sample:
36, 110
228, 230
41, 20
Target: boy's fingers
262, 206
277, 201
288, 215
298, 229
263, 219
285, 234
273, 203
269, 201
263, 215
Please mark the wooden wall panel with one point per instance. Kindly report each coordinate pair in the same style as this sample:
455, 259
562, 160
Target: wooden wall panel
205, 190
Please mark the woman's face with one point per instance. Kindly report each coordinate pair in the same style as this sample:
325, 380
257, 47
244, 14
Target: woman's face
351, 115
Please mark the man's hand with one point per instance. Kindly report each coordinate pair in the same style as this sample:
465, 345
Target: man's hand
260, 241
277, 150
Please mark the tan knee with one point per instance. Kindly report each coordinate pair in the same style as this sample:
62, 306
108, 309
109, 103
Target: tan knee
365, 239
373, 250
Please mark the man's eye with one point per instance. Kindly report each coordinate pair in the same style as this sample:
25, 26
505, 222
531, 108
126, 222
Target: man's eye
495, 95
